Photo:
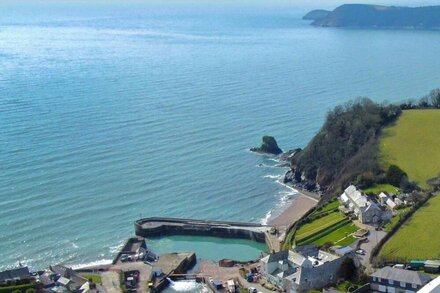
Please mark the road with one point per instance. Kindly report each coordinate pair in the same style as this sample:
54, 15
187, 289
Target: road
373, 238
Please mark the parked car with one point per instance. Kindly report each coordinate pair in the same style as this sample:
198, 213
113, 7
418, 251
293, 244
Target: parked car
124, 257
360, 251
252, 290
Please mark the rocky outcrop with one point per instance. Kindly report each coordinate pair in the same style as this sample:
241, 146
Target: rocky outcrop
269, 146
376, 16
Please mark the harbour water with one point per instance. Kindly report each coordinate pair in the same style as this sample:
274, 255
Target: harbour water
111, 112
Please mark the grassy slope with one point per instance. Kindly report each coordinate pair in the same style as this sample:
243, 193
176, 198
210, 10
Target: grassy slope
419, 237
413, 144
378, 188
319, 224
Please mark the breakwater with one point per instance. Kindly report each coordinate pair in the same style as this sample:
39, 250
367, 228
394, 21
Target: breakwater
158, 226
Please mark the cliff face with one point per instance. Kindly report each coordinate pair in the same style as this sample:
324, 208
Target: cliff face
374, 16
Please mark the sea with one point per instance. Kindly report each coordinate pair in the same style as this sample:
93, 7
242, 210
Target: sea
115, 110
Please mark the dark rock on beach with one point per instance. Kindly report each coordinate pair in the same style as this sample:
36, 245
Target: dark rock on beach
269, 146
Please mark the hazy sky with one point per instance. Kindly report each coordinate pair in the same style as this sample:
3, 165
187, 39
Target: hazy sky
304, 4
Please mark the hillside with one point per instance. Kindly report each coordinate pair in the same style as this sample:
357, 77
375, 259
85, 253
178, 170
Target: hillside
345, 149
413, 144
374, 16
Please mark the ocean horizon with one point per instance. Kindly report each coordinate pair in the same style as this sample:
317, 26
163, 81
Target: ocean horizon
115, 112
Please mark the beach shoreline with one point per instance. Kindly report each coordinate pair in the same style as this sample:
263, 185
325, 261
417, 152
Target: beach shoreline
295, 210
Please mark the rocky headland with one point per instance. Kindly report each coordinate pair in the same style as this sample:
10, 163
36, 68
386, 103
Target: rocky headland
377, 16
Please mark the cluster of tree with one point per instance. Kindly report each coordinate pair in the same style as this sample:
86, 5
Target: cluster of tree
429, 101
346, 146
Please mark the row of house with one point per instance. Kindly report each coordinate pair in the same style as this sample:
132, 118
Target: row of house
367, 211
397, 280
57, 279
390, 201
312, 269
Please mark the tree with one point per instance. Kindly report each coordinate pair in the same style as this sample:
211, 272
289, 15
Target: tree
347, 271
435, 98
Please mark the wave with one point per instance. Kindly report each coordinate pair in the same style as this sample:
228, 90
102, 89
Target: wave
93, 263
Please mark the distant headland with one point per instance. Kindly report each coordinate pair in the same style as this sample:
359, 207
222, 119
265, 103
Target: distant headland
377, 16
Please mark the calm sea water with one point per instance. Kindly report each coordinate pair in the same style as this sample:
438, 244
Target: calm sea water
112, 112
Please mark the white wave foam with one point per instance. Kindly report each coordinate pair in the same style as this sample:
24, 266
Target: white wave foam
93, 263
117, 248
285, 199
273, 176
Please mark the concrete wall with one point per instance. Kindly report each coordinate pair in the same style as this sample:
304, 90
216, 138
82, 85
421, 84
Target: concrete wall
169, 226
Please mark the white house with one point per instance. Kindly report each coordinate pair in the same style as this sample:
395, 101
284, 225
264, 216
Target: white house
366, 210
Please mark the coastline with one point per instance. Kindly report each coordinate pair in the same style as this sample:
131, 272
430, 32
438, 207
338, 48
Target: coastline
296, 209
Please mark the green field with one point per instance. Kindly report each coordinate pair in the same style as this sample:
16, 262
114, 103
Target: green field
333, 227
378, 188
95, 278
332, 205
319, 224
418, 238
413, 144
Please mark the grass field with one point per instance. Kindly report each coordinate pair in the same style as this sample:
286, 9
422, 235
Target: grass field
95, 278
319, 224
339, 236
332, 205
378, 188
419, 237
413, 144
333, 227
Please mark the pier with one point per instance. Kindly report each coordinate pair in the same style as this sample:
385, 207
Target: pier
158, 227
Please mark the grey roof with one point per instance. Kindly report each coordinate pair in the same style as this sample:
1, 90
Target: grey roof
401, 275
14, 274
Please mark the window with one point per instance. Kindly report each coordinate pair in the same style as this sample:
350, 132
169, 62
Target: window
402, 284
374, 279
414, 286
391, 282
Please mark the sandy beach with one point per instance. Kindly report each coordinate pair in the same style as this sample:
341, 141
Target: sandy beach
296, 210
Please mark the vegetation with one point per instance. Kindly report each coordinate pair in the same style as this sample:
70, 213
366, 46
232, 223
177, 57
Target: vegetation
347, 286
385, 187
326, 226
413, 144
394, 220
94, 278
329, 207
350, 134
17, 288
418, 238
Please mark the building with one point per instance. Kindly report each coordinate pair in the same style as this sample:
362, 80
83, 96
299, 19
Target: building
394, 280
431, 287
365, 210
391, 204
68, 277
298, 272
15, 274
383, 198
